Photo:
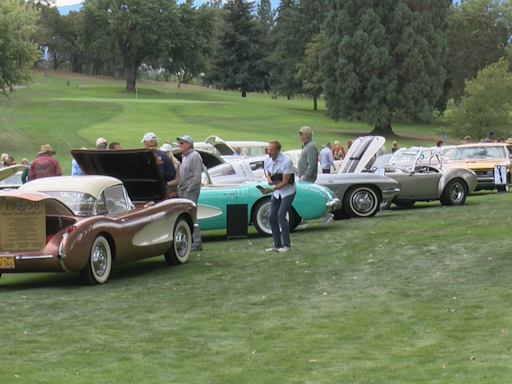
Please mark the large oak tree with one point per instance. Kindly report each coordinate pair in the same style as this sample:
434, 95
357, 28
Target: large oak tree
140, 29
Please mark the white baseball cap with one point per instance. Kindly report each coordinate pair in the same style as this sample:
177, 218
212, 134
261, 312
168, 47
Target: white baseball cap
100, 140
149, 136
166, 147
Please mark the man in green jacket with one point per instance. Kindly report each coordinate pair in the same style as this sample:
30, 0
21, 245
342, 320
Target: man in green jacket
308, 160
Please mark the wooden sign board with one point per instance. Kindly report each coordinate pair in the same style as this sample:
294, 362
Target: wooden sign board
22, 225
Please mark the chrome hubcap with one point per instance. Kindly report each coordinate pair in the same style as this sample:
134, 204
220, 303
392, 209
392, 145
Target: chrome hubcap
181, 242
363, 201
457, 192
99, 260
264, 218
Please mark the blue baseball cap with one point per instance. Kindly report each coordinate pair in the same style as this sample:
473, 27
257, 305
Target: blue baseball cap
186, 138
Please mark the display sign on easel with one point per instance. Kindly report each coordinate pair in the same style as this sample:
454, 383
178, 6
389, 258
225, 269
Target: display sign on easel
22, 224
500, 175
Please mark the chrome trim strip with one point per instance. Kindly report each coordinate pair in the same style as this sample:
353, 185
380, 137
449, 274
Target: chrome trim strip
61, 255
21, 258
61, 262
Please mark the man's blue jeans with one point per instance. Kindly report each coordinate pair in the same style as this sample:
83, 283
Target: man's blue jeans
278, 210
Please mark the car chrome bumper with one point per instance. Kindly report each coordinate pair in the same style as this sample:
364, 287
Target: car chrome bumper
333, 205
388, 194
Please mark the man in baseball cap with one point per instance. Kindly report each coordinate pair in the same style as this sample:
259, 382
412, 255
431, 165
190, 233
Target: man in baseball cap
189, 185
308, 160
150, 136
101, 143
164, 162
186, 138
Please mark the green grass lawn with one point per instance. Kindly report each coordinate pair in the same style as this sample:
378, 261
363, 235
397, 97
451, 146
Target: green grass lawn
66, 117
417, 295
411, 296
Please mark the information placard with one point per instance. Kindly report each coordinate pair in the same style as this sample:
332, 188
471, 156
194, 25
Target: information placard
22, 225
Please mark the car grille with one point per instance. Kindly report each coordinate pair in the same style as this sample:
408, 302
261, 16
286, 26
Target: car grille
485, 173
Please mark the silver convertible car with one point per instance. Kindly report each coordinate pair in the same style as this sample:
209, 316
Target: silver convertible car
419, 178
361, 194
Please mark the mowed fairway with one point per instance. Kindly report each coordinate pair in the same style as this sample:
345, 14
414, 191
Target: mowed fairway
417, 295
66, 117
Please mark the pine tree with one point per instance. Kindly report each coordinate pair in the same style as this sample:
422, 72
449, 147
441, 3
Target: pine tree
384, 60
297, 24
239, 62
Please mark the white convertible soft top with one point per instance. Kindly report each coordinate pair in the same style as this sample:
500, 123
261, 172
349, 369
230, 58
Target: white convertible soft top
92, 185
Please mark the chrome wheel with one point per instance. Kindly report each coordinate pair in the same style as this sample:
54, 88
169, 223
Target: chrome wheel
455, 193
182, 244
361, 202
99, 265
262, 221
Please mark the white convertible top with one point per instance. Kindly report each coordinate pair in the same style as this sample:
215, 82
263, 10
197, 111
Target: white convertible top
92, 185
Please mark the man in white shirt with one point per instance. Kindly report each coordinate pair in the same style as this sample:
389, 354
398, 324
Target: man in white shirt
326, 159
279, 168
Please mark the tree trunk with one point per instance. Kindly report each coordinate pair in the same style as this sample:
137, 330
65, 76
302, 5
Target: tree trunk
131, 77
315, 103
383, 130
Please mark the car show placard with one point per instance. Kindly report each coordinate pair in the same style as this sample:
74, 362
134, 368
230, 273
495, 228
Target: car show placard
22, 225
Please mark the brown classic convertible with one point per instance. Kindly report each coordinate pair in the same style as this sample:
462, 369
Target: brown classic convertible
86, 224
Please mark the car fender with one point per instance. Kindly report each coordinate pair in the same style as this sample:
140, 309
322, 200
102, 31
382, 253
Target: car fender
310, 200
465, 174
72, 250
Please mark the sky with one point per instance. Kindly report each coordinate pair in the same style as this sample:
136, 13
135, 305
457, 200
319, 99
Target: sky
62, 3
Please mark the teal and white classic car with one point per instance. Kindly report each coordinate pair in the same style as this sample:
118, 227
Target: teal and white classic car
311, 202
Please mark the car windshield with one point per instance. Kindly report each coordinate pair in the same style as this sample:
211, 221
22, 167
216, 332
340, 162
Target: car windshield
82, 204
483, 152
406, 156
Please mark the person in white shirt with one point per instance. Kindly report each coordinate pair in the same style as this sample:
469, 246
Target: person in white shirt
279, 169
438, 150
326, 158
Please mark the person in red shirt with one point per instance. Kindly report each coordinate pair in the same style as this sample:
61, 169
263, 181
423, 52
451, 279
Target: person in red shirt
44, 164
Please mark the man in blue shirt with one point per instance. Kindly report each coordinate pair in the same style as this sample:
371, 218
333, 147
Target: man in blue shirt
326, 159
164, 162
279, 168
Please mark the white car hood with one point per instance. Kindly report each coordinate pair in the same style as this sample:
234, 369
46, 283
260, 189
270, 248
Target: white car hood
362, 153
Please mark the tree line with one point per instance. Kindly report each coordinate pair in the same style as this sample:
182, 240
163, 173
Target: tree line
373, 60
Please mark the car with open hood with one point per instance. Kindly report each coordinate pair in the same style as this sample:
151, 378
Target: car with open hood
361, 194
10, 177
311, 202
227, 148
87, 224
420, 179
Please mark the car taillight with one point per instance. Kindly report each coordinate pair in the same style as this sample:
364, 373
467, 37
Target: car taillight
69, 231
